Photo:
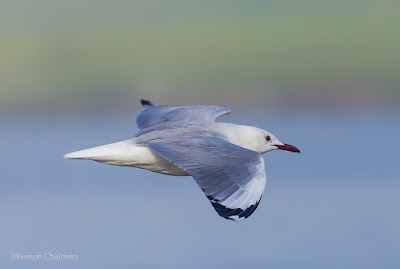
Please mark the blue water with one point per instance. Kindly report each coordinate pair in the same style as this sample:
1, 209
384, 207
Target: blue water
335, 205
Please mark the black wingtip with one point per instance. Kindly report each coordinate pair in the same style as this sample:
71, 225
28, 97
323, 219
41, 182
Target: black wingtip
234, 213
146, 102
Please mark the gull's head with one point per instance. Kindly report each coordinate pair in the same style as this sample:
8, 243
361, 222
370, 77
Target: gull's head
263, 141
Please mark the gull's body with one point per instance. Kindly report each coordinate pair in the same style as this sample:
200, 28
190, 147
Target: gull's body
134, 152
223, 158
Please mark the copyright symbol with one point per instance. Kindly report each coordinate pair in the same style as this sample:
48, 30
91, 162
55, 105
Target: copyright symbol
13, 256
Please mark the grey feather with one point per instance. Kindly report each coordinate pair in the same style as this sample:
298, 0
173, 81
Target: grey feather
233, 178
156, 115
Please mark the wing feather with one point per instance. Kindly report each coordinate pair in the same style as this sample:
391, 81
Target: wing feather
153, 115
232, 178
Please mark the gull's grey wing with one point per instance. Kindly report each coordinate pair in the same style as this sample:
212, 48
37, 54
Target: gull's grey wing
153, 115
232, 178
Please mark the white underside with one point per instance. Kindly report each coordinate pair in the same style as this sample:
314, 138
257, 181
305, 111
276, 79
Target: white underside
126, 153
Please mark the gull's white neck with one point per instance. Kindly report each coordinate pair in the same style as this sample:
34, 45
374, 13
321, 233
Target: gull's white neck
247, 137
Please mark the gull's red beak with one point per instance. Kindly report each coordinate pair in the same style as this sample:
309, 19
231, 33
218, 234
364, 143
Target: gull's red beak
288, 148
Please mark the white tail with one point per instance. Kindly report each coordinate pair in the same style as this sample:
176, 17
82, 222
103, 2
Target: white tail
120, 150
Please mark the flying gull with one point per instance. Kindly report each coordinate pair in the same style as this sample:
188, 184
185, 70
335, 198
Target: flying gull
223, 158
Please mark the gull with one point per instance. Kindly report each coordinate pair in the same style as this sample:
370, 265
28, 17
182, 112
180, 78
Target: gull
223, 158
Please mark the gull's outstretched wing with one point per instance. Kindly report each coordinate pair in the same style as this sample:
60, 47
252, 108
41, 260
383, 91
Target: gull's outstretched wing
232, 178
153, 115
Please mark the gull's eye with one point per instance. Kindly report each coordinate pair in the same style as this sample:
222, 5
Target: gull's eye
268, 138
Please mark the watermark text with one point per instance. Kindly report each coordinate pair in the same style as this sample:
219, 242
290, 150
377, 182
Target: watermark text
48, 256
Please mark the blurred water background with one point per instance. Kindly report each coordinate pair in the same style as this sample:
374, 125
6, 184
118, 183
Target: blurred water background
321, 75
